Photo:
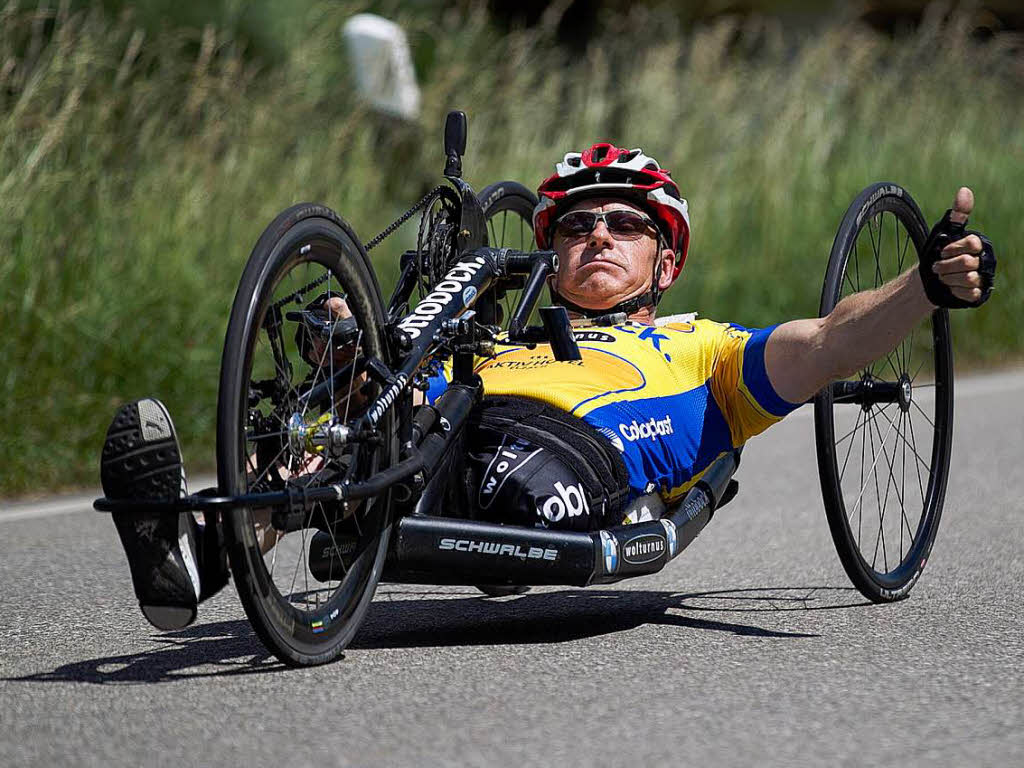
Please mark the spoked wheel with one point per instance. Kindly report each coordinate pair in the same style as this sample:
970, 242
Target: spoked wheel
284, 405
884, 436
508, 207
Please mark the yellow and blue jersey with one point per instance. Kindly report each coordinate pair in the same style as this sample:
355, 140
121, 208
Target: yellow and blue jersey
670, 398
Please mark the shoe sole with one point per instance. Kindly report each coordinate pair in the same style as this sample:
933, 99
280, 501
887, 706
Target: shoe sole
141, 460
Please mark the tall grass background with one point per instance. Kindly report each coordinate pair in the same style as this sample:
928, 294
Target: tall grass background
138, 166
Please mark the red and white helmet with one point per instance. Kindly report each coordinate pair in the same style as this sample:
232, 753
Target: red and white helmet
605, 170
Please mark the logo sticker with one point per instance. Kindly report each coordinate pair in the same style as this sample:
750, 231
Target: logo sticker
643, 549
569, 501
593, 336
496, 548
647, 430
508, 460
454, 284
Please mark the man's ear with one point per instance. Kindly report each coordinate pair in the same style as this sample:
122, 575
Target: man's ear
668, 265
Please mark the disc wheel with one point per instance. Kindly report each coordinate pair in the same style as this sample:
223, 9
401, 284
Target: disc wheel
884, 436
508, 208
281, 392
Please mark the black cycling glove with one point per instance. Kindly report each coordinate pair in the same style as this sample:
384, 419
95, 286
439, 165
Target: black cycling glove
314, 322
943, 233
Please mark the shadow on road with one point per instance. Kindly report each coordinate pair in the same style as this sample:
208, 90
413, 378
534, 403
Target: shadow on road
410, 617
229, 646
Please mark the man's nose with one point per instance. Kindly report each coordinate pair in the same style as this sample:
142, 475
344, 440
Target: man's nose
599, 235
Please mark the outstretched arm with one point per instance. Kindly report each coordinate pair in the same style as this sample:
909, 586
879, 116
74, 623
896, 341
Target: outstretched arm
803, 356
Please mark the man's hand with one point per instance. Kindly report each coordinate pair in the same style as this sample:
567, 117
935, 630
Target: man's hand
965, 268
349, 393
337, 309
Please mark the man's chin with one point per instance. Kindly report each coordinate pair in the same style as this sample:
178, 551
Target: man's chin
593, 295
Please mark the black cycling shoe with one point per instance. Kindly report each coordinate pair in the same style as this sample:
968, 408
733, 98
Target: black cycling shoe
142, 460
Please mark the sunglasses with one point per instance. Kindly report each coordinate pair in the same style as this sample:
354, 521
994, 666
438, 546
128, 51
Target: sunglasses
625, 225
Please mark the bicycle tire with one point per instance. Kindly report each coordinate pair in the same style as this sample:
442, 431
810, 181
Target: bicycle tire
304, 245
508, 209
893, 578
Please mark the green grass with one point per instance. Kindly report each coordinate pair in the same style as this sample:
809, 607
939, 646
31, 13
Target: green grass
137, 170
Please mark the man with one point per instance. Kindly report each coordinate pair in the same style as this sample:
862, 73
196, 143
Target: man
615, 436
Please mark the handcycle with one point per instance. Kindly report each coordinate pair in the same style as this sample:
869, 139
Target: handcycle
325, 461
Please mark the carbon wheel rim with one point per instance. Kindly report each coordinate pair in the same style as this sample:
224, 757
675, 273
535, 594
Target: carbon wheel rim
884, 435
303, 619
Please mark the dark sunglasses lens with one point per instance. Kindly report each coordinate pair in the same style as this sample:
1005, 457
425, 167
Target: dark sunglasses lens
626, 223
577, 223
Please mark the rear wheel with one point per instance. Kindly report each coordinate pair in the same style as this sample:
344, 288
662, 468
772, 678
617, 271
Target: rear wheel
279, 399
508, 208
884, 436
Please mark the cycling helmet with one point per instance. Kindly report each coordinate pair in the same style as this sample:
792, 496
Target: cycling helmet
605, 170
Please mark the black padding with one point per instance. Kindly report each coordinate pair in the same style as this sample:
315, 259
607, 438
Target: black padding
593, 460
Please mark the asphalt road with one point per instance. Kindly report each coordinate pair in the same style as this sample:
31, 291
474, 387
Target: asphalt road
751, 649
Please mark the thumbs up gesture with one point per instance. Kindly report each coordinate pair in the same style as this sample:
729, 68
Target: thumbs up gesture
957, 265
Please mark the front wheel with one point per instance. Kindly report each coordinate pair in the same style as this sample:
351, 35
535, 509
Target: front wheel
884, 436
281, 392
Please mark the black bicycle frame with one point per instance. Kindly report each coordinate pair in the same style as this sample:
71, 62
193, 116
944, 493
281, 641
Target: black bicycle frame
441, 322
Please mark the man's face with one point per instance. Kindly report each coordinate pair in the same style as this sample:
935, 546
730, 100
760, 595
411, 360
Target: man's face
598, 270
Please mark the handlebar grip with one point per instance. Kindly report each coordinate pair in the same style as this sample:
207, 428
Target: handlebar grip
521, 262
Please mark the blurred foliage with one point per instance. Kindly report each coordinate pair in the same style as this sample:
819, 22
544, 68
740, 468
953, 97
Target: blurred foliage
138, 165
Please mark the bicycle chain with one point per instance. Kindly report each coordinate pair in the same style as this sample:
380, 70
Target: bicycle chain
387, 232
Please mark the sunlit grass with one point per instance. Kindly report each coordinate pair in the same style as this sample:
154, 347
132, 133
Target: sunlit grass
136, 172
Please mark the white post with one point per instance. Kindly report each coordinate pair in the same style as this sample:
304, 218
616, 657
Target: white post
378, 52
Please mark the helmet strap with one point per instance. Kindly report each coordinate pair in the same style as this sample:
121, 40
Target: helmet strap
628, 307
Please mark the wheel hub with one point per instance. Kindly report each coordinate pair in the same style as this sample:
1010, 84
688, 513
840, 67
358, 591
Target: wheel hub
326, 434
906, 392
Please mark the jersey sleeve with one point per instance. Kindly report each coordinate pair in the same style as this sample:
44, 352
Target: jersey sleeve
740, 385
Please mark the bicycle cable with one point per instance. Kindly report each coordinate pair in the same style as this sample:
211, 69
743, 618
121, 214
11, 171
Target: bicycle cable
387, 232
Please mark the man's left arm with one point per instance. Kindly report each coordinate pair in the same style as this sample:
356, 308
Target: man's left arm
803, 356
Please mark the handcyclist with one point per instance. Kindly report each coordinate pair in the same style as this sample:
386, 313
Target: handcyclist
615, 436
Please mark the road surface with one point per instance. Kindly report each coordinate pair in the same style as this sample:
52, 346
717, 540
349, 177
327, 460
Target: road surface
750, 649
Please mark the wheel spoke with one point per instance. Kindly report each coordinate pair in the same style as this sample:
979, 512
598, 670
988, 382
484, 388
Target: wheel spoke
849, 434
903, 483
878, 501
875, 461
850, 448
846, 277
919, 367
888, 359
913, 448
921, 411
890, 481
860, 496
